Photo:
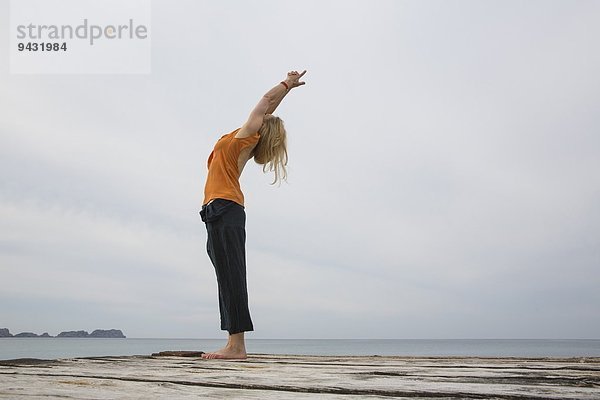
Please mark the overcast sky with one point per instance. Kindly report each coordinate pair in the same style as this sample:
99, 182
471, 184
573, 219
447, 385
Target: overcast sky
444, 174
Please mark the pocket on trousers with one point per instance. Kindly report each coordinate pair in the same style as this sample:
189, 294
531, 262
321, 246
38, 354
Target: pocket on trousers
215, 209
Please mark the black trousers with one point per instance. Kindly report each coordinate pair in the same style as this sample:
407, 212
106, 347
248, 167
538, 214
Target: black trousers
226, 246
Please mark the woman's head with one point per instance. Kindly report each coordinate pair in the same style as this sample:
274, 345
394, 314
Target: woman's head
271, 149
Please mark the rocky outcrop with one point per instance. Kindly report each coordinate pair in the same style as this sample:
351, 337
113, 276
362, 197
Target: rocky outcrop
26, 334
109, 333
74, 334
5, 333
98, 333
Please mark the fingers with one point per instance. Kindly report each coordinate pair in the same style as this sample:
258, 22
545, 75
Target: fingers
294, 77
296, 73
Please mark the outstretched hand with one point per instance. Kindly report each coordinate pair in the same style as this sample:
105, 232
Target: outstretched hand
293, 79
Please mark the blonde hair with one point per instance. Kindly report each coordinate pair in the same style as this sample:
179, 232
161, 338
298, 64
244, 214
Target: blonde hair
271, 149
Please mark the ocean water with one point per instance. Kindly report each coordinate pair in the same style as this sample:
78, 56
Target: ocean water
52, 348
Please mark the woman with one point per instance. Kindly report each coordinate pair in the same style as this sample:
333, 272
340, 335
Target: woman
263, 137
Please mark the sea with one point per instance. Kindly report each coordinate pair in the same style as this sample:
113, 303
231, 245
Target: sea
55, 348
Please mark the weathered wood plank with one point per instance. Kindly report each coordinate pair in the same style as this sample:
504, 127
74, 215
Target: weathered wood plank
300, 377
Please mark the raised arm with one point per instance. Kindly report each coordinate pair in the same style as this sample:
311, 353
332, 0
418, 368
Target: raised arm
269, 102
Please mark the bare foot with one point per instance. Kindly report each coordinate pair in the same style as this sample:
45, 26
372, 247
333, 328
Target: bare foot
226, 353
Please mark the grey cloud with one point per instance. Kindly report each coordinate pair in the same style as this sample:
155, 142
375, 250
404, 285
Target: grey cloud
443, 173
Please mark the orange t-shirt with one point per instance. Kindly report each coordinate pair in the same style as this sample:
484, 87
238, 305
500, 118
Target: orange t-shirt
223, 179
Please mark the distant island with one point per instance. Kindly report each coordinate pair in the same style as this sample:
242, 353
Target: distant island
98, 333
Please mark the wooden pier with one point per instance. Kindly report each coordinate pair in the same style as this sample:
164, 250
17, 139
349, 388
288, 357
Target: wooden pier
301, 377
